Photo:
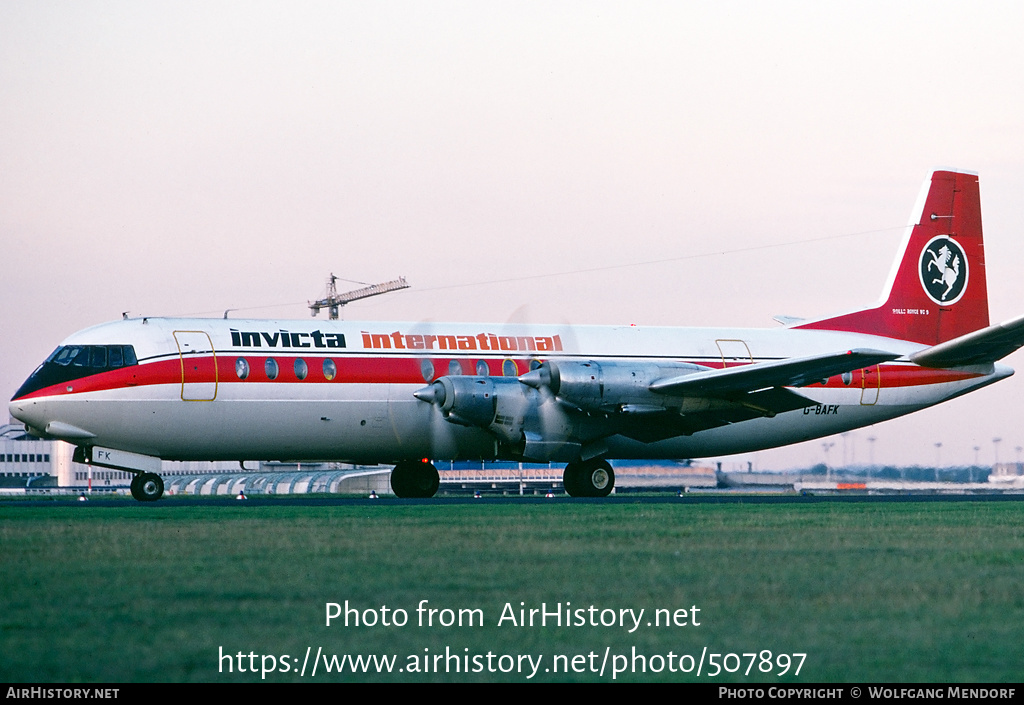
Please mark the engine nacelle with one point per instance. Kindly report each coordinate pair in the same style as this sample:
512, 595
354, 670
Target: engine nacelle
529, 422
608, 386
499, 404
558, 411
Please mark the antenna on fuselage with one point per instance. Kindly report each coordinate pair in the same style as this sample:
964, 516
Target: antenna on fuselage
334, 301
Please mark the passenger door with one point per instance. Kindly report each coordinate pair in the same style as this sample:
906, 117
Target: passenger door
199, 378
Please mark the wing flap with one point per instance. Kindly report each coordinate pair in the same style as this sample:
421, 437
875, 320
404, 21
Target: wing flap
791, 372
982, 346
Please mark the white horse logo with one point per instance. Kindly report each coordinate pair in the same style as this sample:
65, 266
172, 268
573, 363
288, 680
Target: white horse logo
948, 275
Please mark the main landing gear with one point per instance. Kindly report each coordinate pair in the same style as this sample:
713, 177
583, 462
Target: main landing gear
414, 479
418, 479
147, 487
589, 478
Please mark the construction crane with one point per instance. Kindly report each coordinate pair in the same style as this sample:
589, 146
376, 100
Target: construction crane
334, 301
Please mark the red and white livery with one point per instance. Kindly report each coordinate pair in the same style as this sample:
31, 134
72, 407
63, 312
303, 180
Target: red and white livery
133, 392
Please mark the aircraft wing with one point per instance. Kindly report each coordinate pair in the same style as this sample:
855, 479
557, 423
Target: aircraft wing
668, 424
735, 394
751, 380
982, 346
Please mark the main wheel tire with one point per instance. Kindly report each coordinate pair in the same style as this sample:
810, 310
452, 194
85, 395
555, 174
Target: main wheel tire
589, 478
572, 479
147, 487
598, 478
414, 480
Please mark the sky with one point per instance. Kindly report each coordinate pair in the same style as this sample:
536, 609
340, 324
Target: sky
553, 162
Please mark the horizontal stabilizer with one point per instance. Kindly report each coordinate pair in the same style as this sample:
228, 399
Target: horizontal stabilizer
788, 320
791, 372
981, 346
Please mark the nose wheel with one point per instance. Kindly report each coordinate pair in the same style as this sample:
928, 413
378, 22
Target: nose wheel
589, 478
147, 487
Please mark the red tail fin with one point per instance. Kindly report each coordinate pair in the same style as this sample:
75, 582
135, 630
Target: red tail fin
936, 290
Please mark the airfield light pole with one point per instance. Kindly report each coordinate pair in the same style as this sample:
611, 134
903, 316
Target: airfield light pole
995, 451
938, 459
871, 454
828, 468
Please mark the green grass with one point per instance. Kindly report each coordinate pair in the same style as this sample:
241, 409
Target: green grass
869, 591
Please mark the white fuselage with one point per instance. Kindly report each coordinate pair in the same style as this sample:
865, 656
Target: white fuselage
203, 388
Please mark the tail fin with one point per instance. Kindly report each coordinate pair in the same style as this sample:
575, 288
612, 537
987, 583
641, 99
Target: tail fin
936, 290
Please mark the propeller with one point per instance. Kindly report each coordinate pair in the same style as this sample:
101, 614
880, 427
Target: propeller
516, 407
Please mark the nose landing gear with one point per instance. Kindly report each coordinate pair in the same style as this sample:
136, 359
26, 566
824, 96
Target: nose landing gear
147, 487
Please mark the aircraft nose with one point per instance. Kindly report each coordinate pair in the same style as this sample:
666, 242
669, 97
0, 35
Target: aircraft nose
15, 409
27, 412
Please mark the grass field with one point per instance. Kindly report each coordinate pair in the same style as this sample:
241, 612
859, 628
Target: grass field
908, 591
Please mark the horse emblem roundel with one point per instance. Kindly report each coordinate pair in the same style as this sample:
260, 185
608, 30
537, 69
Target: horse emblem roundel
943, 270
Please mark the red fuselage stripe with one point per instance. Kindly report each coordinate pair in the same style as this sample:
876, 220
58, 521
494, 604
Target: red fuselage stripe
399, 370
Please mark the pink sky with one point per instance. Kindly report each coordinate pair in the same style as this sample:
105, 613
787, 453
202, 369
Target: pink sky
182, 158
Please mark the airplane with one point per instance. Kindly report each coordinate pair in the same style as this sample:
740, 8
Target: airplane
133, 392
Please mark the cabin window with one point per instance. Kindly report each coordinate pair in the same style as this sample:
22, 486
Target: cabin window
454, 368
482, 369
427, 370
509, 369
301, 369
271, 368
242, 368
330, 369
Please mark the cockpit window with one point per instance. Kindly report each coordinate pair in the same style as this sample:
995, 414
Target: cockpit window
94, 356
81, 357
97, 356
61, 353
71, 362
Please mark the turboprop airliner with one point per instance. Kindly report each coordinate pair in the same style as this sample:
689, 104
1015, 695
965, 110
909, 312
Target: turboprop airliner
134, 392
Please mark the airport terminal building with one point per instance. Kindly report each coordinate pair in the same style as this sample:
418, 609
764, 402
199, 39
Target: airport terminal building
24, 459
28, 464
